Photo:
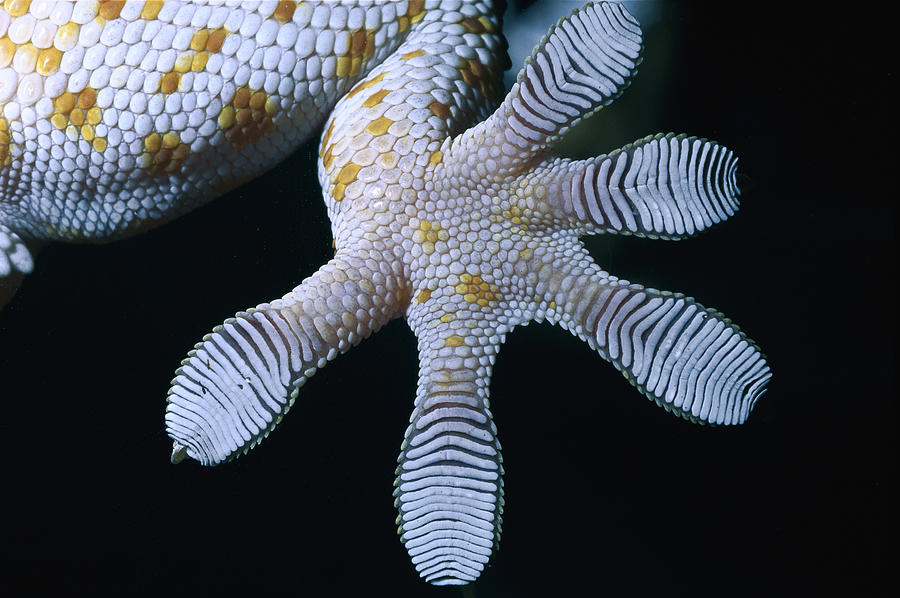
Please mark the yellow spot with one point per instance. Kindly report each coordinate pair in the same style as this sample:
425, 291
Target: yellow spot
99, 144
216, 39
478, 77
242, 97
161, 161
478, 69
468, 77
327, 157
5, 157
436, 158
358, 42
169, 82
110, 9
181, 152
376, 98
355, 65
447, 318
199, 61
16, 8
473, 25
552, 305
439, 110
66, 36
413, 54
248, 117
76, 117
151, 9
164, 154
7, 51
284, 12
379, 126
324, 148
87, 97
198, 41
348, 173
415, 11
454, 341
226, 117
423, 296
94, 116
153, 142
365, 84
48, 61
403, 23
370, 44
486, 23
526, 254
343, 66
258, 100
59, 121
338, 192
183, 62
87, 131
170, 140
326, 137
475, 290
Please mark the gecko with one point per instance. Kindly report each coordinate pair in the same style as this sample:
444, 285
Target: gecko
447, 207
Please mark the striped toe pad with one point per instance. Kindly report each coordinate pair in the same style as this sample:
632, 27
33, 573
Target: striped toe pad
460, 220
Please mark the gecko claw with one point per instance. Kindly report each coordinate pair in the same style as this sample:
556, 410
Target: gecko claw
178, 453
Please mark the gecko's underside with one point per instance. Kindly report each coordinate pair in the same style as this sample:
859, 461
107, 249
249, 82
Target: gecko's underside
476, 235
445, 211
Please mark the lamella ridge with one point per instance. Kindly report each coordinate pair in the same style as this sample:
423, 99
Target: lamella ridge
447, 209
467, 233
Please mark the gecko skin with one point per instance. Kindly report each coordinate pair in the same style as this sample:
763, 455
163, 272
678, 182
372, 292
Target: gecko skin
445, 211
118, 116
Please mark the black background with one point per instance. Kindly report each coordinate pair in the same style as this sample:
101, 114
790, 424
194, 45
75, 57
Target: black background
606, 494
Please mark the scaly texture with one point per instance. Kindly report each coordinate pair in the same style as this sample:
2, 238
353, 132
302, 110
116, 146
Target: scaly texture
117, 116
467, 233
